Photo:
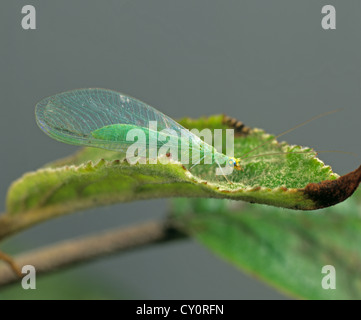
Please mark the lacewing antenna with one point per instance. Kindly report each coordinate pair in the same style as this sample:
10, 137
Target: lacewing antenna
294, 128
338, 151
313, 151
277, 153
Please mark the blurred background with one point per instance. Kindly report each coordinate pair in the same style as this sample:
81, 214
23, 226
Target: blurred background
267, 63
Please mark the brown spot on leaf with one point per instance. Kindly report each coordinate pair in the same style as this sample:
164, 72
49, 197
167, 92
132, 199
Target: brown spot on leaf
239, 128
256, 188
330, 192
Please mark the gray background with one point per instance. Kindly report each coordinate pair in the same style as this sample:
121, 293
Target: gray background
267, 63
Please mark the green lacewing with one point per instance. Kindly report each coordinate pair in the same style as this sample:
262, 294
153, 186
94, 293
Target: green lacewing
102, 118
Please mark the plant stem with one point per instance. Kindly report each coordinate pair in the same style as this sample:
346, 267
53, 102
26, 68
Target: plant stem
80, 250
10, 262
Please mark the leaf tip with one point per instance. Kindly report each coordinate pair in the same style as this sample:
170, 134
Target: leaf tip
330, 192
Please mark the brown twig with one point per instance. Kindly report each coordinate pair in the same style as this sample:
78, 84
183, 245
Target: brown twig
11, 263
77, 251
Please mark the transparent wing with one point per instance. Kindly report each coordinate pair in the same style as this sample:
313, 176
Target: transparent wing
72, 116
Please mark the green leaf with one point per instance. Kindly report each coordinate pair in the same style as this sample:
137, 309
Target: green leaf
94, 177
69, 285
285, 248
